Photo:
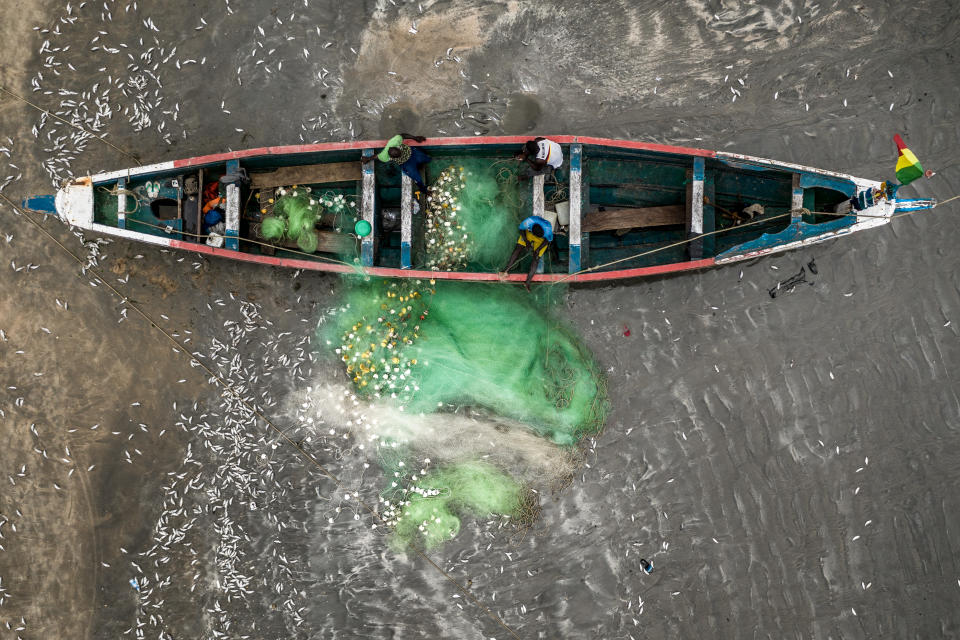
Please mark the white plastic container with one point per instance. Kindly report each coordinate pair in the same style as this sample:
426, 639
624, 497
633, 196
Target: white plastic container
551, 217
563, 213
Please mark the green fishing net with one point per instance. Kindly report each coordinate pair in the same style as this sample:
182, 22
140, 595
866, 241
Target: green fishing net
307, 242
432, 347
273, 227
428, 509
471, 219
301, 212
343, 208
296, 212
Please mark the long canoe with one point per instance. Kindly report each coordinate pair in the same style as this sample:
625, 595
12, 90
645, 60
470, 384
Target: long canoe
631, 209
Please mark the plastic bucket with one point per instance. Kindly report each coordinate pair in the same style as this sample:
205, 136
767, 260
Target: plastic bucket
563, 213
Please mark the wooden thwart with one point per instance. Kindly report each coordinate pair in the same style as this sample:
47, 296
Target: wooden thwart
307, 174
613, 219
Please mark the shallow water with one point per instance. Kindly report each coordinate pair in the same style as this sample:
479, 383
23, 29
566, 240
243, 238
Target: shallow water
772, 457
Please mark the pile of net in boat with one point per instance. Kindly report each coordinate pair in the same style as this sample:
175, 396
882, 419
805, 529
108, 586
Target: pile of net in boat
296, 212
471, 220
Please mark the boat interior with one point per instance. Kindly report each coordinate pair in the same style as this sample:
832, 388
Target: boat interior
637, 207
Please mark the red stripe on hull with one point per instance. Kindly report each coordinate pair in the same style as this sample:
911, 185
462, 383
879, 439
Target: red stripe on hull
641, 272
385, 272
436, 142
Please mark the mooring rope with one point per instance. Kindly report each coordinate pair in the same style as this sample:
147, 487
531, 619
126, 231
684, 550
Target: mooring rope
118, 191
746, 224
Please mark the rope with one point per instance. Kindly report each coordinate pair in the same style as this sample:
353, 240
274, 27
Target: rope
117, 191
669, 246
596, 267
75, 126
559, 191
280, 432
747, 224
946, 201
257, 242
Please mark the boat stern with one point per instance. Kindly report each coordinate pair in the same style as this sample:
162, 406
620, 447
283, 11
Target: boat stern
74, 202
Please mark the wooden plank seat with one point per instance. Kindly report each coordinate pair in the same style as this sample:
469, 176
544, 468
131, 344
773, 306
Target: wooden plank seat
307, 174
629, 218
327, 241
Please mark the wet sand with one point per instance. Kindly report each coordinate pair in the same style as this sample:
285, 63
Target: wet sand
789, 465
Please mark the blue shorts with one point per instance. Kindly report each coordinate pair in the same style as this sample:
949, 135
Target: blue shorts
412, 166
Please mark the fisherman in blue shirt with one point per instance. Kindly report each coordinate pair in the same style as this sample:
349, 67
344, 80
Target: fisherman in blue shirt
536, 234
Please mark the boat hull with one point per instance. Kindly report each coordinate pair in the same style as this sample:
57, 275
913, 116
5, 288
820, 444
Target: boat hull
75, 205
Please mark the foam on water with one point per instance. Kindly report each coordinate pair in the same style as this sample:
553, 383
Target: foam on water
440, 437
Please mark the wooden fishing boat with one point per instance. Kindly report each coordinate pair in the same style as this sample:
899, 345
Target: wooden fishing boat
630, 209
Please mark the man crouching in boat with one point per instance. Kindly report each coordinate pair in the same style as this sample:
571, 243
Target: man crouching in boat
536, 234
542, 156
409, 158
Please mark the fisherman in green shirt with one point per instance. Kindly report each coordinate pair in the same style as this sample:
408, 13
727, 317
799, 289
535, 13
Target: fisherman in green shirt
409, 158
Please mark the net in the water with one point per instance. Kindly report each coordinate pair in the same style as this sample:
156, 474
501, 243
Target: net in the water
432, 347
428, 509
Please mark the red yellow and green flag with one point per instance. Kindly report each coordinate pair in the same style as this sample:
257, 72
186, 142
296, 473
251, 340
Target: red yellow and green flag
908, 167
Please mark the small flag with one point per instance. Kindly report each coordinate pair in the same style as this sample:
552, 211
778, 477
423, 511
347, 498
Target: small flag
908, 167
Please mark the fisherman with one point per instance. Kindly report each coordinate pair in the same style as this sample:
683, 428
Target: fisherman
543, 157
536, 234
409, 158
